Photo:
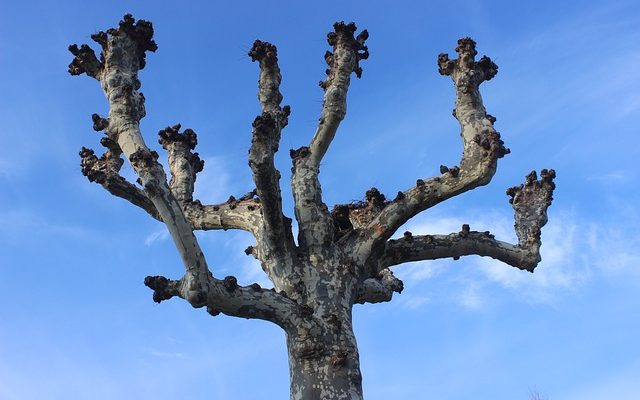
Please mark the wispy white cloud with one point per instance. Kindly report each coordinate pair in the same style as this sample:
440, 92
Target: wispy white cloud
20, 225
157, 236
616, 252
616, 177
163, 354
413, 302
245, 267
574, 252
213, 183
412, 273
471, 298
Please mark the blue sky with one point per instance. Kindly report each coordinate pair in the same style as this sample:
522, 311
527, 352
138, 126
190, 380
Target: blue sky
76, 321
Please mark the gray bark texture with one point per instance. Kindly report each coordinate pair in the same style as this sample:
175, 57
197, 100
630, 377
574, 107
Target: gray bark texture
341, 257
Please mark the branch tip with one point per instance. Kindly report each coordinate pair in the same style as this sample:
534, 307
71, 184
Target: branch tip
172, 134
465, 231
160, 286
264, 52
84, 61
342, 39
230, 283
530, 202
99, 123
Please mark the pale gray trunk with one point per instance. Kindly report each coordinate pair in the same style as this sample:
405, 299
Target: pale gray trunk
325, 365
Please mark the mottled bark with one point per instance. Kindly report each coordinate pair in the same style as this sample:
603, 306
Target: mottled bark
342, 257
123, 55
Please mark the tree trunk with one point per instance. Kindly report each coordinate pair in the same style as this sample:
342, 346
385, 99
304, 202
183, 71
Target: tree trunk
324, 363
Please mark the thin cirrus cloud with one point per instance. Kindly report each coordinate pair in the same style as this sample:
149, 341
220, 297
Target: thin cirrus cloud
574, 252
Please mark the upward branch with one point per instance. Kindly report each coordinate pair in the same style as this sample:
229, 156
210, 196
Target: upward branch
278, 245
345, 59
314, 219
482, 147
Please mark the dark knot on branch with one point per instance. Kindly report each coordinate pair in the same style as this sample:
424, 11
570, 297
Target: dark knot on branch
465, 231
466, 47
264, 125
143, 158
488, 68
84, 61
305, 311
374, 198
533, 185
264, 52
339, 358
99, 123
299, 154
348, 51
171, 135
491, 141
160, 286
485, 69
230, 283
141, 32
88, 165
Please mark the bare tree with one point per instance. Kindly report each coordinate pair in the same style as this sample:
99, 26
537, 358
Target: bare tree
341, 257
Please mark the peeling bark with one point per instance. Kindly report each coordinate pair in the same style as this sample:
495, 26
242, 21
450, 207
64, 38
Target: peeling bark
342, 257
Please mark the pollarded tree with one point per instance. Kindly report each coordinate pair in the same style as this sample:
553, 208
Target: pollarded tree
341, 257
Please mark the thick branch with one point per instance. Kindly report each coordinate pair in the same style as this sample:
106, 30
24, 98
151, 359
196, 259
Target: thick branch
530, 202
243, 213
433, 247
278, 239
347, 52
226, 296
482, 147
266, 138
314, 220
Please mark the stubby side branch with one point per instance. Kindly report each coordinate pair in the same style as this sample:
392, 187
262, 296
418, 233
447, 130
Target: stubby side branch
184, 164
